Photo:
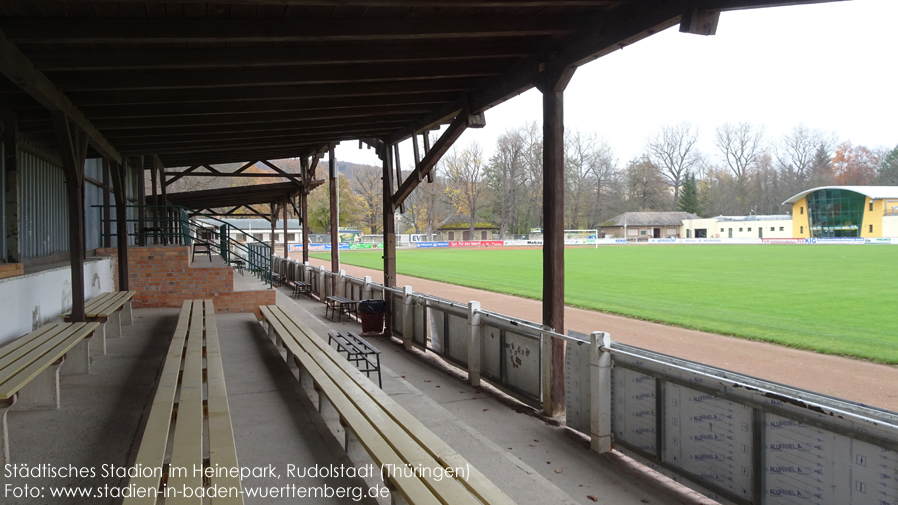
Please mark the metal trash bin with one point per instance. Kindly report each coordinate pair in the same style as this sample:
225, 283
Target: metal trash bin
371, 312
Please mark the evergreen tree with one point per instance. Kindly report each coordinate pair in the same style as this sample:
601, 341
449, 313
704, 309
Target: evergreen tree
888, 170
689, 198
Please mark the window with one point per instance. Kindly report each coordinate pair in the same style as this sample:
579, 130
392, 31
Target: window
721, 230
642, 232
749, 229
871, 226
774, 229
835, 213
802, 230
871, 206
740, 229
782, 228
802, 210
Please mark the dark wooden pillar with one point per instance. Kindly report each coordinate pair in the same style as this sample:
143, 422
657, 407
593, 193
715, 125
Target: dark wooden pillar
304, 209
273, 214
286, 246
335, 214
155, 205
11, 249
121, 223
168, 215
553, 234
73, 150
389, 236
141, 200
107, 203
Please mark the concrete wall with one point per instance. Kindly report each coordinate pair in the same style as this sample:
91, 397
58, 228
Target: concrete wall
32, 300
800, 226
162, 277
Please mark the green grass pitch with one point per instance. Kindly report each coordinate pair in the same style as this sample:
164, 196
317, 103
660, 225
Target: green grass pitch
836, 299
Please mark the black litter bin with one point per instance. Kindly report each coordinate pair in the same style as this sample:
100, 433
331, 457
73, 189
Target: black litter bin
372, 314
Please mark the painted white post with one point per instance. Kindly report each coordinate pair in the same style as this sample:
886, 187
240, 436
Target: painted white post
5, 405
305, 272
545, 352
408, 317
366, 288
474, 343
322, 286
600, 392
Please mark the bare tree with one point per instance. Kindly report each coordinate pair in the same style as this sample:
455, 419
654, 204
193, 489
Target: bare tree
674, 152
645, 186
466, 188
799, 156
506, 175
739, 144
366, 182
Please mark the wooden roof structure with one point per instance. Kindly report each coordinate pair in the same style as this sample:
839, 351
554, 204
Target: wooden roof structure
214, 82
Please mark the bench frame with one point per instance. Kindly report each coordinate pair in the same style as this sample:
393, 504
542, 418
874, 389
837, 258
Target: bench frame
357, 351
31, 366
375, 425
339, 305
300, 287
111, 310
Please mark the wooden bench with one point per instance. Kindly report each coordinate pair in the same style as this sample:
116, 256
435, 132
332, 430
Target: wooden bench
179, 404
357, 352
300, 287
378, 426
30, 368
337, 305
111, 310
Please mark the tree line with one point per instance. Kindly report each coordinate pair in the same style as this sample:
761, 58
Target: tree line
746, 172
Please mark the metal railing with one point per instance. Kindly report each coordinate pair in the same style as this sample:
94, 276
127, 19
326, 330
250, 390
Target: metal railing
170, 225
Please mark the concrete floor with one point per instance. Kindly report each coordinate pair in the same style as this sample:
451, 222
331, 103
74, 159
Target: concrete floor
276, 423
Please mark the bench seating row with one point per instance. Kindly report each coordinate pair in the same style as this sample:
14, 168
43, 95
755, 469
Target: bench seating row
111, 310
184, 413
378, 426
30, 368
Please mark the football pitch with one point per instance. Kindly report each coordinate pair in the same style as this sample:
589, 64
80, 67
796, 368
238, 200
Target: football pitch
835, 299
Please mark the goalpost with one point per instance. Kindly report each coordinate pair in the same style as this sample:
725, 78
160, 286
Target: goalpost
581, 237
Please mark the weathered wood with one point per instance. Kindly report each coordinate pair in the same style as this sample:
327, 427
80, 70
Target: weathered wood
130, 31
11, 250
22, 72
11, 270
286, 246
553, 234
304, 208
73, 150
156, 209
399, 174
398, 3
699, 21
389, 231
137, 165
121, 223
107, 205
334, 188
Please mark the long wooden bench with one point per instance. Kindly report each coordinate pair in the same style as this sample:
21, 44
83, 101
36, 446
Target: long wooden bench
111, 310
30, 368
377, 425
179, 402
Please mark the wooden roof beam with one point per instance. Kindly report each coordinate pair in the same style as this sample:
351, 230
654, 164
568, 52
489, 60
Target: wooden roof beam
188, 31
22, 72
398, 3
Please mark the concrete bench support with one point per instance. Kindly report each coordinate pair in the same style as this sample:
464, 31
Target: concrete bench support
42, 393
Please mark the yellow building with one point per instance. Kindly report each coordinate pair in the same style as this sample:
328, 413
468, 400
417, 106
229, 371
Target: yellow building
845, 212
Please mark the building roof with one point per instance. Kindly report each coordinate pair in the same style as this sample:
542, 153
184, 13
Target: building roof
874, 192
463, 222
650, 219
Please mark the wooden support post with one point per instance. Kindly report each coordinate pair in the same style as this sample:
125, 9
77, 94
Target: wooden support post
73, 150
121, 222
553, 235
398, 173
389, 237
304, 209
107, 203
141, 200
273, 214
155, 208
286, 247
335, 215
11, 251
167, 224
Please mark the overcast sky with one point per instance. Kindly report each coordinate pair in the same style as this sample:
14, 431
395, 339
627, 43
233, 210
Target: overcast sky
829, 66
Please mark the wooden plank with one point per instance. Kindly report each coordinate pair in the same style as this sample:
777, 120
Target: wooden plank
92, 303
477, 483
187, 448
380, 451
449, 490
45, 355
11, 270
222, 448
154, 440
115, 303
25, 339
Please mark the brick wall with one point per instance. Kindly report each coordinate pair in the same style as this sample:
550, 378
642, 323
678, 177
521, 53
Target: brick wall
162, 277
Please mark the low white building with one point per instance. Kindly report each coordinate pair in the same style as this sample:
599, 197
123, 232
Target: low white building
776, 226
